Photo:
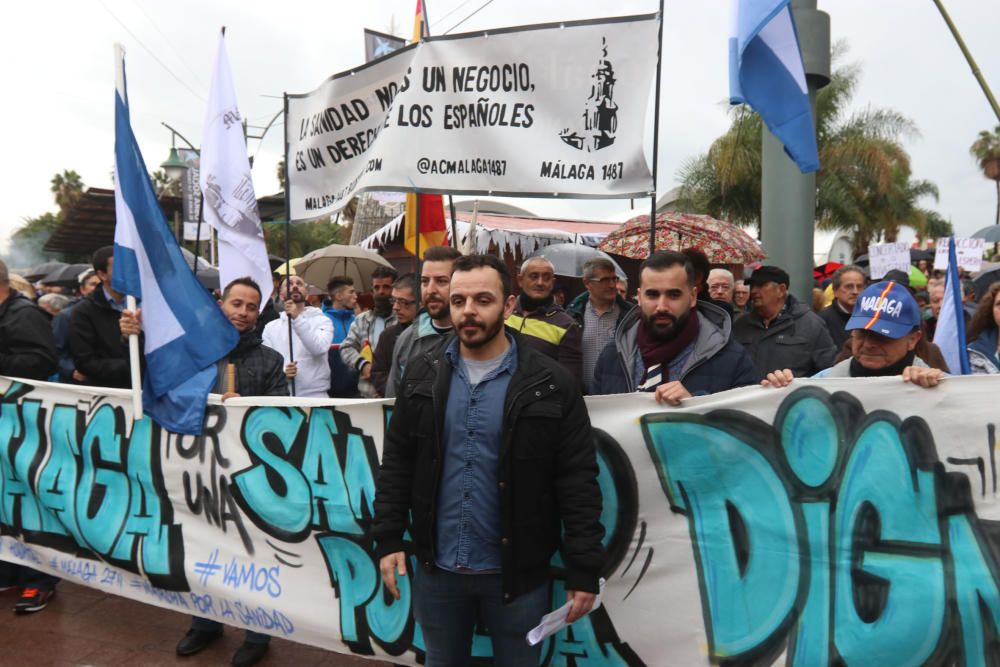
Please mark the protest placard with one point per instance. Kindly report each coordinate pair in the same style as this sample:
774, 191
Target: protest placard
885, 257
968, 253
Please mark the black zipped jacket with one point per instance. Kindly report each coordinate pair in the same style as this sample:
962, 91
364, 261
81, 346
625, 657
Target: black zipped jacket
547, 474
27, 349
99, 350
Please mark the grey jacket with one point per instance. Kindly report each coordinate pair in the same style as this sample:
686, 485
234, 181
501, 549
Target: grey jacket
351, 346
797, 339
416, 339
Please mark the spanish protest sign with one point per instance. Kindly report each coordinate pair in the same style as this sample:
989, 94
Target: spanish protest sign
550, 110
837, 521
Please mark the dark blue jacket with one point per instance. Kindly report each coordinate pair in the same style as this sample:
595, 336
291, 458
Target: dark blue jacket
716, 362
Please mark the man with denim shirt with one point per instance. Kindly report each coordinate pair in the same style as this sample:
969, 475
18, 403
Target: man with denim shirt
489, 450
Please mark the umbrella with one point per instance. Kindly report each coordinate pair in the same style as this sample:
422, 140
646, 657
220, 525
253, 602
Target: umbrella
917, 278
189, 259
861, 260
355, 262
988, 274
917, 254
990, 234
826, 270
275, 262
722, 242
36, 273
209, 278
70, 273
568, 258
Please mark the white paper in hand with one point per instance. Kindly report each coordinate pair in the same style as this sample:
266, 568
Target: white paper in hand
554, 621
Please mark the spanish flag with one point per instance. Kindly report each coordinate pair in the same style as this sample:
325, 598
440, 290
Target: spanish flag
433, 230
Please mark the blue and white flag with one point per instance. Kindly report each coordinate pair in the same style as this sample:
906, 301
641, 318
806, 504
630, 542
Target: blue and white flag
950, 332
766, 72
229, 201
185, 331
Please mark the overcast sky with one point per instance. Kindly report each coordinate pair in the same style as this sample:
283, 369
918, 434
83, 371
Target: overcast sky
58, 79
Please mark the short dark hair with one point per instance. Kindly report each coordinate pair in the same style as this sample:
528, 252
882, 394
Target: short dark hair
408, 281
838, 275
662, 260
337, 282
384, 272
699, 263
470, 262
594, 264
246, 281
441, 253
101, 257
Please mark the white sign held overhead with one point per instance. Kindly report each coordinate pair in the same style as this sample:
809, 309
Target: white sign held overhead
885, 257
968, 252
556, 110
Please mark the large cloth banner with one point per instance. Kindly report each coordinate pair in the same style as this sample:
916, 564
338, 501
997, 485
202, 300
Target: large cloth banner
550, 110
833, 522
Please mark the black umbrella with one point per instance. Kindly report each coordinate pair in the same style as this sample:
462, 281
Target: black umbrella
861, 260
983, 281
275, 262
917, 254
68, 274
38, 272
990, 234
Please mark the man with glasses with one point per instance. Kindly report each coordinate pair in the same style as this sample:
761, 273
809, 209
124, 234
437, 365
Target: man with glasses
367, 328
598, 311
542, 324
404, 307
848, 282
780, 332
884, 331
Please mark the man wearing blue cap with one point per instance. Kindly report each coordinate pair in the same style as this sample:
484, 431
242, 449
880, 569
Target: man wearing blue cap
884, 329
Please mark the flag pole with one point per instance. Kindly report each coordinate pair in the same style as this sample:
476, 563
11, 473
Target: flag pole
656, 131
133, 358
288, 244
416, 242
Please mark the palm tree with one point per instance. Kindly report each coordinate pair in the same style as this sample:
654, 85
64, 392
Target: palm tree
986, 150
67, 188
864, 185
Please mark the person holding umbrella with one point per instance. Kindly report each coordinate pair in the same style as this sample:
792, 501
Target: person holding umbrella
311, 334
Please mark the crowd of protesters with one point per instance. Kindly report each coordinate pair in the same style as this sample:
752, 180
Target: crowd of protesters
453, 345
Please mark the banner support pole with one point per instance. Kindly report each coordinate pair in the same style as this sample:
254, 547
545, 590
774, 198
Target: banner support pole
656, 131
416, 241
288, 245
134, 370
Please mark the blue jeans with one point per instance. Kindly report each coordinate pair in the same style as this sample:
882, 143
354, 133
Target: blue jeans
446, 605
207, 625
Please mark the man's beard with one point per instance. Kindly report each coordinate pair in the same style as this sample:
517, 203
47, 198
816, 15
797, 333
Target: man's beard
662, 334
490, 331
382, 306
444, 312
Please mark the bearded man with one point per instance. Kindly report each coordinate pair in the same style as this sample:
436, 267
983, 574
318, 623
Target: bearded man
672, 344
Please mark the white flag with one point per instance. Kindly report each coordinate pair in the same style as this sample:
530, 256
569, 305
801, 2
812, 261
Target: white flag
230, 204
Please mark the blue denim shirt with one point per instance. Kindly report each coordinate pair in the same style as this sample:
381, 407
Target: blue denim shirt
468, 515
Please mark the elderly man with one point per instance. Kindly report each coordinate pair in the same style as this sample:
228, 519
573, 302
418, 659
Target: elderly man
599, 310
404, 306
488, 468
884, 329
366, 329
780, 332
741, 297
673, 344
28, 351
544, 325
311, 335
720, 285
847, 282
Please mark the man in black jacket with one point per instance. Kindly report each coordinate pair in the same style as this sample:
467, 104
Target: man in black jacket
489, 447
259, 371
100, 352
27, 350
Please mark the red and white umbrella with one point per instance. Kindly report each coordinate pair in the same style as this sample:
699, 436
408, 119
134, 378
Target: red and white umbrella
722, 242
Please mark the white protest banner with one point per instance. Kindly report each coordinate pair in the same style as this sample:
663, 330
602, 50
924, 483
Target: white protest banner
968, 252
551, 110
885, 257
838, 521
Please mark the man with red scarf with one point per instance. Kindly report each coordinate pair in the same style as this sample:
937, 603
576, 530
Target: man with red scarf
672, 343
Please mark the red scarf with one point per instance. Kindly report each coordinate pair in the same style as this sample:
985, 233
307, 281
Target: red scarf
663, 352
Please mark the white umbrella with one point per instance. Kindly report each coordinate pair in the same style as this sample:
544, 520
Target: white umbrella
355, 262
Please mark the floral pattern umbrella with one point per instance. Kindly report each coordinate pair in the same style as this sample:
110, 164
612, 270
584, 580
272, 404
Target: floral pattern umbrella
722, 242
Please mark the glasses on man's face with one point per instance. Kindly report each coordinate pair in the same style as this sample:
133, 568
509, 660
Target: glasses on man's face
606, 280
404, 303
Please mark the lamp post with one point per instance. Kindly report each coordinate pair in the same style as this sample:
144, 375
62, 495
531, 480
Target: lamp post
176, 171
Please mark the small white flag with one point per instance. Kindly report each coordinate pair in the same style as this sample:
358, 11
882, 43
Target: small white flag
230, 203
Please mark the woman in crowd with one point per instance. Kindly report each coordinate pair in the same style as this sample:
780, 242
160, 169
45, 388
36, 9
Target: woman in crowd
984, 348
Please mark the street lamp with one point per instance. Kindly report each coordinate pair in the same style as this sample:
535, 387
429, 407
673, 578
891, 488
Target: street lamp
174, 167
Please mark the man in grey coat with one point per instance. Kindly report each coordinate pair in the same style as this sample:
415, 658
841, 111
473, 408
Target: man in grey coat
779, 332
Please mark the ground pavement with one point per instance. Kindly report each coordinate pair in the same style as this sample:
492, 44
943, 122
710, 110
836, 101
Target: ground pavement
83, 626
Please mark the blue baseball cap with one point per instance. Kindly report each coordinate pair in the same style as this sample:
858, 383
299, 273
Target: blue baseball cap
886, 308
